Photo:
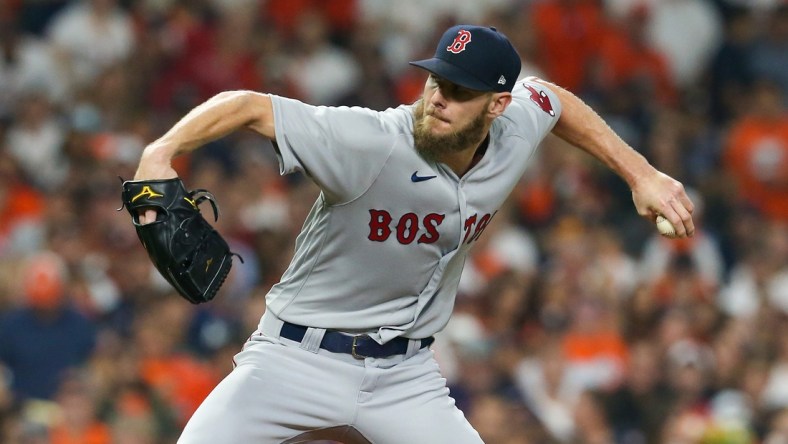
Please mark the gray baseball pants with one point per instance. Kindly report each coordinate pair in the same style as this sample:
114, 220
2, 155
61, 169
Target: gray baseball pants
282, 391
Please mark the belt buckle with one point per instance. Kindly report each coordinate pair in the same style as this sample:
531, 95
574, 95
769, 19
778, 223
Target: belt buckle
353, 347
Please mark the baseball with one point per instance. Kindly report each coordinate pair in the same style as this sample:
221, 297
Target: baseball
665, 227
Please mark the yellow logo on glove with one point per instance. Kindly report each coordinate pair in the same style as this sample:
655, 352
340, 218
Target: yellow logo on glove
191, 201
146, 191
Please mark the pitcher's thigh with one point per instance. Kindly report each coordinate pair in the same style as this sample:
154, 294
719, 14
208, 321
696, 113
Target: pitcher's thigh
431, 423
413, 406
275, 393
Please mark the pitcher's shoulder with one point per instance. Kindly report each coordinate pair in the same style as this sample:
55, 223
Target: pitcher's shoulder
399, 119
530, 92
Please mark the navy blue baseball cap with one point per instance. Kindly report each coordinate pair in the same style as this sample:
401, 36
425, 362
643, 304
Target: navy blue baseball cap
475, 57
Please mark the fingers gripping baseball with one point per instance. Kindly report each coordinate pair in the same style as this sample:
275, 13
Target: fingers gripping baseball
660, 194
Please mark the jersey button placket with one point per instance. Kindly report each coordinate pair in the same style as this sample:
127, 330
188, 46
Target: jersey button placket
463, 205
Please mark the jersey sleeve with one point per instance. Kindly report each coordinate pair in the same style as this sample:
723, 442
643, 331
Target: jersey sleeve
535, 106
341, 149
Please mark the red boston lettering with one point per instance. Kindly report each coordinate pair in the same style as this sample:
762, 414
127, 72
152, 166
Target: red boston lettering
379, 221
477, 228
408, 227
431, 222
469, 223
481, 226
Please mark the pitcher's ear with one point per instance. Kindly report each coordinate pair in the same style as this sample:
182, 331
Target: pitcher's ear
499, 103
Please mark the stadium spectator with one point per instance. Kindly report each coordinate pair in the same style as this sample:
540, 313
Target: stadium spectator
90, 35
45, 337
768, 52
756, 154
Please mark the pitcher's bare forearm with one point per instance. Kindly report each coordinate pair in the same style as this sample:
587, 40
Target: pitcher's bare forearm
220, 115
584, 128
653, 192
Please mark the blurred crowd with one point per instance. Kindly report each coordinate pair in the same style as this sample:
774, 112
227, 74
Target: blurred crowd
575, 322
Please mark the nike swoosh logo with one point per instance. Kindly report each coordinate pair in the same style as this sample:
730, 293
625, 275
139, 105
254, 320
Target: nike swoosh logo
416, 178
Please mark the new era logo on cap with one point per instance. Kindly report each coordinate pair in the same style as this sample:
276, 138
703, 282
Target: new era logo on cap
475, 57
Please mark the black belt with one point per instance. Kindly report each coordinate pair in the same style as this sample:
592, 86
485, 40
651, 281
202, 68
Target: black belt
360, 346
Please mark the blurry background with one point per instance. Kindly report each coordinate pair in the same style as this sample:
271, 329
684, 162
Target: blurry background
575, 322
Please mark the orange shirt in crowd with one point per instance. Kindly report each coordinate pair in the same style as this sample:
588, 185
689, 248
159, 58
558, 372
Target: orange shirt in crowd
182, 380
20, 202
96, 433
536, 200
587, 346
625, 62
569, 33
757, 157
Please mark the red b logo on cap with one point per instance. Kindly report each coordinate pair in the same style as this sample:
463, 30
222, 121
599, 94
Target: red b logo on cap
458, 45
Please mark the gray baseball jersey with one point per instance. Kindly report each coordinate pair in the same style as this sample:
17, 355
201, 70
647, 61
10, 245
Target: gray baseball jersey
381, 253
383, 247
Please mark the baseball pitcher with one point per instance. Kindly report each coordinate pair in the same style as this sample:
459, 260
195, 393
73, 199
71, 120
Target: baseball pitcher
342, 351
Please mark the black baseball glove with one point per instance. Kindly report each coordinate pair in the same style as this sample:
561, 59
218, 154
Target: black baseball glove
184, 247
